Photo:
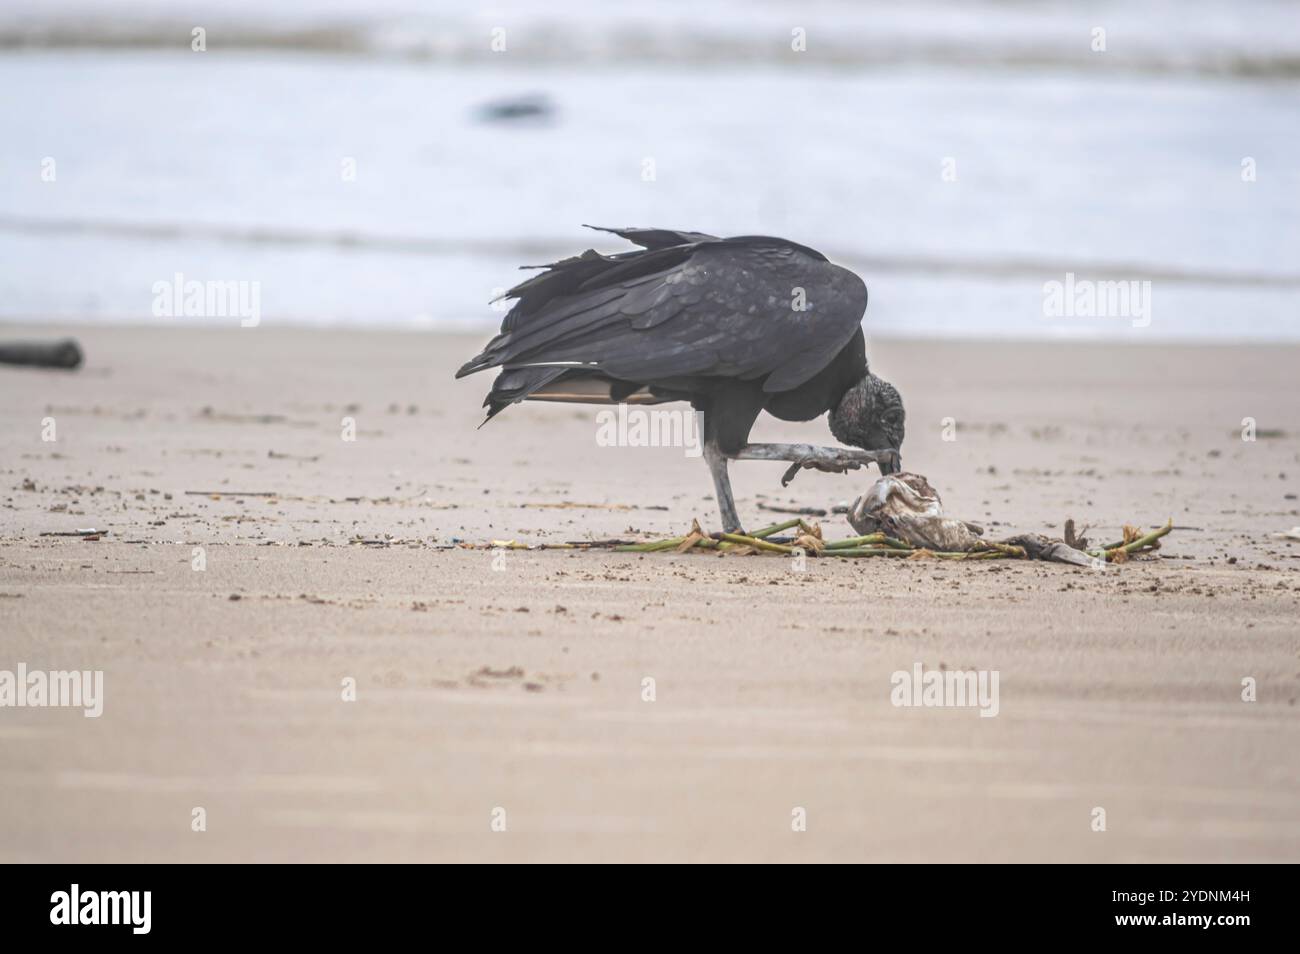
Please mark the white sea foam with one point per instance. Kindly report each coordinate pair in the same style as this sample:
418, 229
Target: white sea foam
226, 165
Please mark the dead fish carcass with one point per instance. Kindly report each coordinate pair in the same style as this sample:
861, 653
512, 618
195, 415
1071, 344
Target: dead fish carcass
906, 507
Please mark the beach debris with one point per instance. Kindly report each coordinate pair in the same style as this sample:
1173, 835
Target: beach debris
1076, 540
276, 455
210, 413
809, 540
907, 507
800, 511
575, 505
64, 354
217, 494
1292, 534
566, 545
89, 533
902, 516
513, 545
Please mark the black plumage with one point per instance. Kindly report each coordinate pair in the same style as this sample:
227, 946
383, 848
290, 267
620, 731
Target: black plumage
733, 325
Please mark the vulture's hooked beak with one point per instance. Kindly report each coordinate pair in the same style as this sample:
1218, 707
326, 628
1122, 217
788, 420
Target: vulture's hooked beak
891, 464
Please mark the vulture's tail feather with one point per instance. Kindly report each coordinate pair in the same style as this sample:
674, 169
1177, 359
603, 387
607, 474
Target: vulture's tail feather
515, 384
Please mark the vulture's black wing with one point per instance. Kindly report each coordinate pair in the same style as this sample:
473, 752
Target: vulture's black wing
690, 304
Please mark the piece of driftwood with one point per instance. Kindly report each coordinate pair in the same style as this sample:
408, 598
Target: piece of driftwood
64, 354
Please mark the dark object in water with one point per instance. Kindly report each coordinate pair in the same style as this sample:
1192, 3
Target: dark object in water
64, 353
736, 326
517, 107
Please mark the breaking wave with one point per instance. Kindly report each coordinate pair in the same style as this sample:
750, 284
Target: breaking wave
540, 251
977, 36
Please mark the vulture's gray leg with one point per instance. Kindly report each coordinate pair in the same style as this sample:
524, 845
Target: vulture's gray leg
830, 459
717, 462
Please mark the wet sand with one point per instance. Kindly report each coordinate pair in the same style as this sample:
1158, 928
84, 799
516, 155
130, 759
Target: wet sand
516, 682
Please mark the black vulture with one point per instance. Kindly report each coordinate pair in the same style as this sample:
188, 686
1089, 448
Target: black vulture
735, 326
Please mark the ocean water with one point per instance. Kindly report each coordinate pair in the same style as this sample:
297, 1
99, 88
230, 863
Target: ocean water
959, 156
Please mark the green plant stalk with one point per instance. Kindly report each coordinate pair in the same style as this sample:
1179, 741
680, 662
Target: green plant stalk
775, 528
898, 544
1006, 549
652, 546
856, 541
755, 542
865, 552
874, 544
1141, 543
703, 543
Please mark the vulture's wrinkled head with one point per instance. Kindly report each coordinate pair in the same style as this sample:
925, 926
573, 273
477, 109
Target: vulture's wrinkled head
870, 416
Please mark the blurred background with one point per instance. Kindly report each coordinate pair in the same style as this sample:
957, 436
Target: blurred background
392, 162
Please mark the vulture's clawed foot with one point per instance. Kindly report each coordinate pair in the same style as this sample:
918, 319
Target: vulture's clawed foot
840, 461
830, 465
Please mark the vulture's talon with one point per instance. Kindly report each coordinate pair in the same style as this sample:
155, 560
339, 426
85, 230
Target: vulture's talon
829, 465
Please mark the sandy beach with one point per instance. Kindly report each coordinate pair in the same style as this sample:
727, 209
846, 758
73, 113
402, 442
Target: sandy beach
509, 688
